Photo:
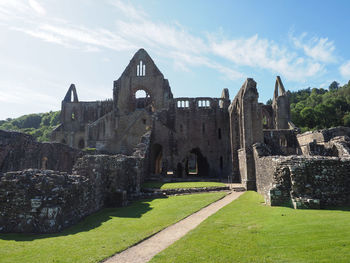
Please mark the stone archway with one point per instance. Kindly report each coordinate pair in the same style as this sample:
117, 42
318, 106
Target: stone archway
142, 99
197, 164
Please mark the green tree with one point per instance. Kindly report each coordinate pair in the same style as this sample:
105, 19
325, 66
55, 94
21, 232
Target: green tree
334, 86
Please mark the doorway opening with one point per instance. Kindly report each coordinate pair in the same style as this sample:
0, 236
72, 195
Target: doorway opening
157, 156
197, 164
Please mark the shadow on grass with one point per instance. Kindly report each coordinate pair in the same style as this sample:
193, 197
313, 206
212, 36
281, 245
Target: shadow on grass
135, 210
153, 185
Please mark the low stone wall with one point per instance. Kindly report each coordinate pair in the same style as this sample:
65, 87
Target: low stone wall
19, 151
186, 190
44, 201
303, 181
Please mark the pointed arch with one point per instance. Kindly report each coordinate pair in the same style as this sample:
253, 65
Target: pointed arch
68, 97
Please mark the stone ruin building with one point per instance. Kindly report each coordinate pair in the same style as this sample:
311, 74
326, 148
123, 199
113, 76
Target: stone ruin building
45, 187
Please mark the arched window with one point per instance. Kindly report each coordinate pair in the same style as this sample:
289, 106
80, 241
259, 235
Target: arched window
142, 99
140, 94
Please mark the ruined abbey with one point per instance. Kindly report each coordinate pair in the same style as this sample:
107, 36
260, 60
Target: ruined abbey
145, 132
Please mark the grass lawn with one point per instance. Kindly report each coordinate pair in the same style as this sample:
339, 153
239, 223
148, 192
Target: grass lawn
104, 233
162, 185
248, 231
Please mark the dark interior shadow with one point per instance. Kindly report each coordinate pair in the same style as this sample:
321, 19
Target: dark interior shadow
134, 210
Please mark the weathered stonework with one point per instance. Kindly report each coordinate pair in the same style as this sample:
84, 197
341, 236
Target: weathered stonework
20, 151
158, 135
302, 181
46, 201
190, 136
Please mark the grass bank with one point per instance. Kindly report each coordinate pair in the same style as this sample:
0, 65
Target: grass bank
248, 231
104, 233
162, 185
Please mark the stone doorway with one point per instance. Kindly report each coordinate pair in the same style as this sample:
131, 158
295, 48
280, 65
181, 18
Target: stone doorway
197, 164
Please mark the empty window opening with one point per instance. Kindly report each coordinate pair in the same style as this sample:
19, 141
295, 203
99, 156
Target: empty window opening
141, 69
181, 128
219, 133
264, 120
140, 94
221, 104
221, 163
157, 156
63, 141
44, 163
81, 144
144, 121
183, 104
192, 164
203, 128
283, 141
143, 99
203, 103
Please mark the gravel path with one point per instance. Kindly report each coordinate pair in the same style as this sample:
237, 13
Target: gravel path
147, 249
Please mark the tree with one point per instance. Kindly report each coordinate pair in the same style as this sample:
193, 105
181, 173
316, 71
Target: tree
334, 86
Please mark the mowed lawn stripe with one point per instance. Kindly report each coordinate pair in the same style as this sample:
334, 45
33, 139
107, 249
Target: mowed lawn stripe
162, 185
105, 233
248, 231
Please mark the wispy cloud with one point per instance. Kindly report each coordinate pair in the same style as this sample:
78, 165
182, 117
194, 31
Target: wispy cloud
345, 69
37, 7
265, 54
303, 58
320, 49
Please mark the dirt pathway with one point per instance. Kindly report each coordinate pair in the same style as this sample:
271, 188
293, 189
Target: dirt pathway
144, 251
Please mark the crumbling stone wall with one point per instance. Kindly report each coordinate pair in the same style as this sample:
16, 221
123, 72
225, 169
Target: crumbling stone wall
20, 151
320, 137
302, 181
46, 201
282, 142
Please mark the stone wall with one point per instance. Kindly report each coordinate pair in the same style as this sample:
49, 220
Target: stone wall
44, 201
303, 181
282, 142
20, 151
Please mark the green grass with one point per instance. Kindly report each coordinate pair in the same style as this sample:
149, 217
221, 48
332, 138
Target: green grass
104, 233
162, 185
248, 231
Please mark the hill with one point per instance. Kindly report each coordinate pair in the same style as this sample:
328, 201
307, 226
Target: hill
314, 108
39, 125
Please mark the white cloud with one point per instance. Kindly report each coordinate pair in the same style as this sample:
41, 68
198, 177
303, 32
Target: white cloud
129, 10
262, 53
37, 7
134, 28
320, 49
345, 69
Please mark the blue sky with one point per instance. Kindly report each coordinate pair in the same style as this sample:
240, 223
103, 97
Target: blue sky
200, 46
